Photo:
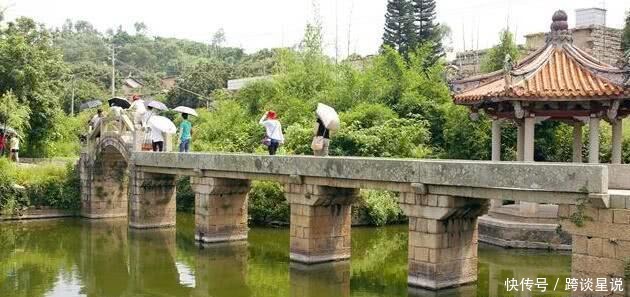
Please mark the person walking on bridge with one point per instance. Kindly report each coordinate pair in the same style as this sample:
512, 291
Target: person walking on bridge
185, 134
321, 141
138, 109
273, 132
157, 139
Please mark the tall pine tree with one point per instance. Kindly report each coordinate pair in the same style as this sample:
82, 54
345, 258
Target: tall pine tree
427, 30
399, 26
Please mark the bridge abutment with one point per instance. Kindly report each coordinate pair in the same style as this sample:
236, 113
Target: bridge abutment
220, 209
601, 242
442, 239
103, 185
320, 222
152, 202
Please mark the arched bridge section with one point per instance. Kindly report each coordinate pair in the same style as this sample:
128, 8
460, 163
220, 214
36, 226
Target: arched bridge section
104, 169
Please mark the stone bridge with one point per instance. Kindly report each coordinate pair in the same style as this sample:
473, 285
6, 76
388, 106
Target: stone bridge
441, 198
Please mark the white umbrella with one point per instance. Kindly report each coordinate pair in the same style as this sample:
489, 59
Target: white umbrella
186, 110
328, 115
162, 123
157, 105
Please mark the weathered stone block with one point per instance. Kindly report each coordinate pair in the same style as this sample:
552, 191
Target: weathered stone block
320, 225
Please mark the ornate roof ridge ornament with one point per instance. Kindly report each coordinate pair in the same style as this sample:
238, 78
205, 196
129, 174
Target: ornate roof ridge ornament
508, 65
559, 29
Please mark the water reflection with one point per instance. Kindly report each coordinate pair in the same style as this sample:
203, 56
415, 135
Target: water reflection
103, 258
73, 257
221, 270
328, 279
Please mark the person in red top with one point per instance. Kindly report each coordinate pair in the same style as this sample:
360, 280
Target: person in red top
3, 141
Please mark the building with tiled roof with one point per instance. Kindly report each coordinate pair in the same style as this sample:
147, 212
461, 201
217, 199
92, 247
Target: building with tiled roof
559, 82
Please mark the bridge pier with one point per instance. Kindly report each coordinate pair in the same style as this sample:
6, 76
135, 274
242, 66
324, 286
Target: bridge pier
601, 246
320, 222
220, 209
152, 202
103, 185
442, 239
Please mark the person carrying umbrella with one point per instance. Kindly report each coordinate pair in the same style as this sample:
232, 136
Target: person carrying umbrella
138, 109
273, 132
157, 139
327, 120
321, 142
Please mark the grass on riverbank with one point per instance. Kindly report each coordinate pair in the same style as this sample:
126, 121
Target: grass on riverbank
49, 185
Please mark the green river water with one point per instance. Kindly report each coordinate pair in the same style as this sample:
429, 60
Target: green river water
74, 257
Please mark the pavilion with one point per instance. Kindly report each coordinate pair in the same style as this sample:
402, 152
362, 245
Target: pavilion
557, 82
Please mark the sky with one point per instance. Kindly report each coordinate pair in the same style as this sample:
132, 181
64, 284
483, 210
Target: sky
355, 26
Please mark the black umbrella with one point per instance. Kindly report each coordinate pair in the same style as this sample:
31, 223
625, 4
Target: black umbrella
90, 104
120, 102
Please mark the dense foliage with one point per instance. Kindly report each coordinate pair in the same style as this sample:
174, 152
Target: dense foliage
35, 186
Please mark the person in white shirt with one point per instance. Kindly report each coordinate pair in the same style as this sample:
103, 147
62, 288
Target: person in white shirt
157, 138
138, 110
273, 132
15, 149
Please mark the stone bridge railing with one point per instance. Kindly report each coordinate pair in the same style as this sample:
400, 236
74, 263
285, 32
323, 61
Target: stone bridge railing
441, 198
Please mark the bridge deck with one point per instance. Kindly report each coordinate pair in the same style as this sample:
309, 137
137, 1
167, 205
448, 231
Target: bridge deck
533, 182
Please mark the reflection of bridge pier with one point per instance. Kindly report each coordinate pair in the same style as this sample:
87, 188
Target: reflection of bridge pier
152, 264
327, 279
221, 270
104, 256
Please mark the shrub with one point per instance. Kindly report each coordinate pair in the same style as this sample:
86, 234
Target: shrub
185, 199
45, 185
378, 208
267, 204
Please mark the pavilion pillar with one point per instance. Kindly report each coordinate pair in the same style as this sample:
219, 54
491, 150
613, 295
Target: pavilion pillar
529, 124
496, 140
593, 139
617, 138
577, 142
520, 135
528, 138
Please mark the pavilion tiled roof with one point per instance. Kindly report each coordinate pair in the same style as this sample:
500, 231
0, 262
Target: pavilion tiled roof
557, 72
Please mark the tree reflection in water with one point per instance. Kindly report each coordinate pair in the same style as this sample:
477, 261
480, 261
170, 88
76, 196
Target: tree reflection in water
74, 257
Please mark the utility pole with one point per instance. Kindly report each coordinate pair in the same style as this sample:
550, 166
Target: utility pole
72, 100
113, 71
336, 31
350, 25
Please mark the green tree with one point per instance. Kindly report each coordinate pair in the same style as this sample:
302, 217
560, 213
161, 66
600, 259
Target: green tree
399, 26
33, 70
198, 82
12, 113
427, 31
495, 58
